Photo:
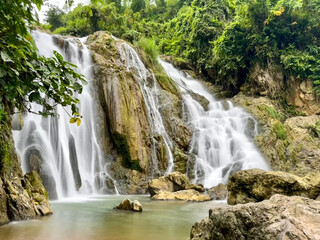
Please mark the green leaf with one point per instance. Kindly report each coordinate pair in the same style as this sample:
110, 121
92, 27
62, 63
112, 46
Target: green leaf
5, 57
34, 97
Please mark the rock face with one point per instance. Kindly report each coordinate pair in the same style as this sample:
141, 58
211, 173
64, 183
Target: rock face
130, 205
295, 140
135, 149
257, 185
21, 197
281, 217
176, 186
271, 81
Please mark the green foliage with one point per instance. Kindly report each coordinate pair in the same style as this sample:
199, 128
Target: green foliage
223, 39
26, 76
54, 18
274, 114
121, 142
150, 48
280, 131
285, 33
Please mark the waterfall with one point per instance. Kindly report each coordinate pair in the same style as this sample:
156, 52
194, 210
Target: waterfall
222, 140
66, 156
150, 91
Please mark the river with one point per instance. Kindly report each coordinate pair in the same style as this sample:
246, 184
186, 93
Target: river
93, 218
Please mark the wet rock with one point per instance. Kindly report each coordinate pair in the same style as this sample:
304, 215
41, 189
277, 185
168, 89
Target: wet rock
184, 195
37, 191
281, 217
74, 163
105, 184
201, 100
129, 205
35, 162
257, 185
219, 192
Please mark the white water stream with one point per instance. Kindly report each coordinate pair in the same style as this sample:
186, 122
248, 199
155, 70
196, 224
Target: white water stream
67, 157
223, 134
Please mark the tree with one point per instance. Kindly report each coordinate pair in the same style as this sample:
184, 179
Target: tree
138, 5
25, 76
54, 17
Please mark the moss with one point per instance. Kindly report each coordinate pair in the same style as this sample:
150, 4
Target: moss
166, 83
120, 140
6, 154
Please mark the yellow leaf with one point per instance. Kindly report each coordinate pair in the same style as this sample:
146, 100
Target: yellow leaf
78, 121
73, 120
278, 13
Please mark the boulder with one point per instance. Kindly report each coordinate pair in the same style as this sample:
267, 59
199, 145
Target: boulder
129, 205
281, 217
173, 182
162, 183
219, 192
256, 185
184, 195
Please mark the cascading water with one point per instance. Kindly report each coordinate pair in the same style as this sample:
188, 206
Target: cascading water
222, 134
67, 157
150, 93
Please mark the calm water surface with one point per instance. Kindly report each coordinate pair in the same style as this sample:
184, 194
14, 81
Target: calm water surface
94, 218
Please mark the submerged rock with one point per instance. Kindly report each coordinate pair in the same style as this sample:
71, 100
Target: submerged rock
257, 185
281, 217
219, 192
129, 205
176, 186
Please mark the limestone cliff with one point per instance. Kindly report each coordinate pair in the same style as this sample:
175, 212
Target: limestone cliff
137, 151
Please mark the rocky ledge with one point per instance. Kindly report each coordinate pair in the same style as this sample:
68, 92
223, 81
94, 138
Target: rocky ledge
257, 185
280, 217
176, 186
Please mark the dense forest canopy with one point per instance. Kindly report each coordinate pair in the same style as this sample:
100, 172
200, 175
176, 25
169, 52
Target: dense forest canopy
27, 77
220, 38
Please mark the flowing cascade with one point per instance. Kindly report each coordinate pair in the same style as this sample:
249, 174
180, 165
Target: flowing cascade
222, 140
150, 91
66, 156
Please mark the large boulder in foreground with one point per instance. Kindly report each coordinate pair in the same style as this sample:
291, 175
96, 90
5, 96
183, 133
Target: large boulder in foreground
281, 217
257, 185
129, 205
176, 186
